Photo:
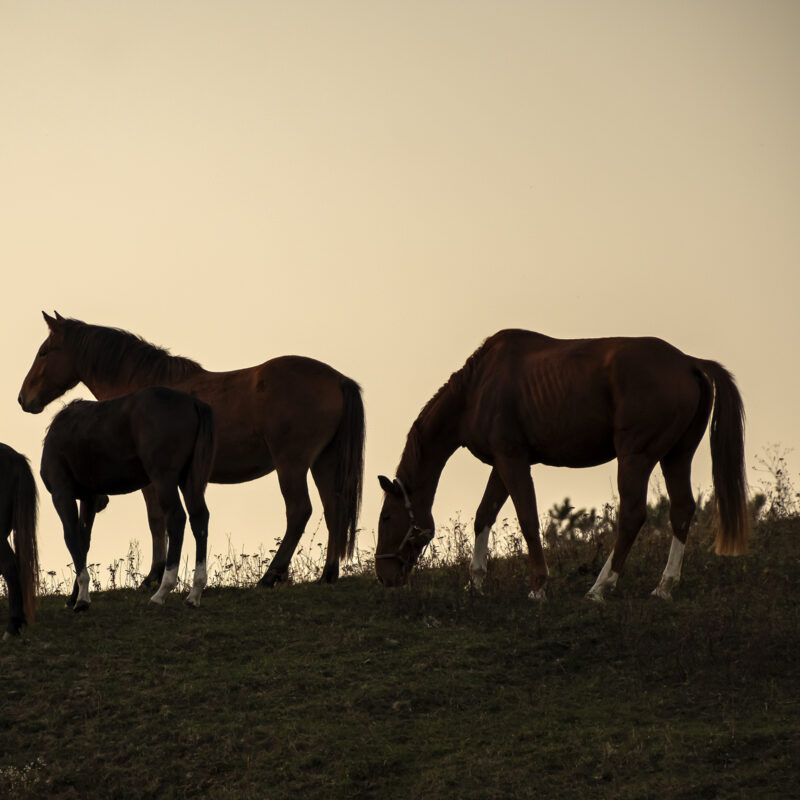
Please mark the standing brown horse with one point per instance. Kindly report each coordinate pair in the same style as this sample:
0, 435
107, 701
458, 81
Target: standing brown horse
524, 398
20, 567
289, 414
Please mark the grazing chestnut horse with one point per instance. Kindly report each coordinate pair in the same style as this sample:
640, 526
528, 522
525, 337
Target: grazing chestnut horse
152, 437
20, 567
524, 398
289, 414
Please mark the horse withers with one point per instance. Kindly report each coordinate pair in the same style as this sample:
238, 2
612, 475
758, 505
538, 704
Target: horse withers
155, 437
18, 511
523, 398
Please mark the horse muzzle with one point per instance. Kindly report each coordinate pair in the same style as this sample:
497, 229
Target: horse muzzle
30, 405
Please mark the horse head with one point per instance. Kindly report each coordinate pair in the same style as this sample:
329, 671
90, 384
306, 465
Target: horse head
401, 537
53, 370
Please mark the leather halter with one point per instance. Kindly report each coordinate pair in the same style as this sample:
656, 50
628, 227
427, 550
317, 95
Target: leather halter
415, 535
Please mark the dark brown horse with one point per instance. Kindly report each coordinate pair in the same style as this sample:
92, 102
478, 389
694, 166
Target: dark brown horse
523, 398
153, 437
289, 414
20, 567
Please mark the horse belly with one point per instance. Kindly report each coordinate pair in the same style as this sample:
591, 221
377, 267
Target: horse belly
575, 446
107, 476
241, 462
589, 457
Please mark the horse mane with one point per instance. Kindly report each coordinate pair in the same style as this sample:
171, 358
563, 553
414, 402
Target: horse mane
113, 354
447, 399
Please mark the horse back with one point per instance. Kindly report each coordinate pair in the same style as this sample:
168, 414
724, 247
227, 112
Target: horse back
573, 402
286, 408
112, 446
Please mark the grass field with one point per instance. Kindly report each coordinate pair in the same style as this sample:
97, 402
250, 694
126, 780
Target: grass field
428, 691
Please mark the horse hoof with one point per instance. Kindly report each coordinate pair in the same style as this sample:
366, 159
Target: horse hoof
192, 602
661, 594
156, 600
81, 605
595, 597
538, 595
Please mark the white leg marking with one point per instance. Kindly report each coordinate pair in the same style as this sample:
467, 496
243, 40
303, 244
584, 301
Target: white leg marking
168, 583
672, 572
607, 579
477, 569
199, 583
83, 600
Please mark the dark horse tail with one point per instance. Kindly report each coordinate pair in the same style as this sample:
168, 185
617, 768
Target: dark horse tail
24, 523
727, 461
348, 448
204, 451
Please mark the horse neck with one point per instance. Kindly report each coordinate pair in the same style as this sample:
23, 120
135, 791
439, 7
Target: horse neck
105, 387
103, 390
433, 438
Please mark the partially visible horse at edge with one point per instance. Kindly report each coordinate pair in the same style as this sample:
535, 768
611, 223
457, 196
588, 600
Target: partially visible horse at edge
154, 437
18, 512
290, 414
523, 398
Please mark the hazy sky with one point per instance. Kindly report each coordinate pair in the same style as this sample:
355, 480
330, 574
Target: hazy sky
381, 185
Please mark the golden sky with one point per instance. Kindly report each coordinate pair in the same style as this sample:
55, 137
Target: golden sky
382, 185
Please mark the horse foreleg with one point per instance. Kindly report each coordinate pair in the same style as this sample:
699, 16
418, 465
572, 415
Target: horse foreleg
88, 510
157, 521
516, 476
294, 488
492, 501
67, 509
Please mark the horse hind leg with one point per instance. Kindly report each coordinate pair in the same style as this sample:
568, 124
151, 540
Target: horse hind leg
492, 501
176, 523
8, 569
157, 523
294, 488
198, 520
324, 473
677, 477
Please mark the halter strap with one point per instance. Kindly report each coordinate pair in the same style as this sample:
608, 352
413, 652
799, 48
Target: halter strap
414, 531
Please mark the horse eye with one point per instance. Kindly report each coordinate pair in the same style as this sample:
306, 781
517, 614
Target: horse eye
385, 517
42, 351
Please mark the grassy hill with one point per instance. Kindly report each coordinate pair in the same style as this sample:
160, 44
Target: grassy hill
428, 691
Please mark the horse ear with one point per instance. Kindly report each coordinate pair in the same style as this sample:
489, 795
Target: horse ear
51, 321
390, 487
59, 317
